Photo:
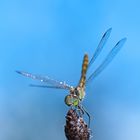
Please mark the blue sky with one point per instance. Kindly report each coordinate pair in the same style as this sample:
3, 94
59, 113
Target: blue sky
50, 38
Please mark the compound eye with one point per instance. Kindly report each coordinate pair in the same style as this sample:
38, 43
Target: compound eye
69, 100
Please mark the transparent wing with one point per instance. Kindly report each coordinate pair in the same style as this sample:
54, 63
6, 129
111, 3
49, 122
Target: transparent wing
45, 79
100, 46
107, 60
45, 86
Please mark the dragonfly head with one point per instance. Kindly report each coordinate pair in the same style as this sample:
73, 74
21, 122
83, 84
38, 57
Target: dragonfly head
72, 99
75, 96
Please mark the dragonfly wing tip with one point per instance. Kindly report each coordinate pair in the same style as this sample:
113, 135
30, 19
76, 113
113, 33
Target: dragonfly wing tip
17, 71
110, 29
124, 39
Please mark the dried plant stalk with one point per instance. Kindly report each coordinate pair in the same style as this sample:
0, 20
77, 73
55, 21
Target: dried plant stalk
76, 128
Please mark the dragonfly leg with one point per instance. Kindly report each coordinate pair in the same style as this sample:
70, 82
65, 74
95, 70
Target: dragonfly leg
89, 117
80, 111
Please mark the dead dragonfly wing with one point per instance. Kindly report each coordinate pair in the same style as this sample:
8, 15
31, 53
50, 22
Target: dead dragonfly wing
45, 79
107, 60
100, 46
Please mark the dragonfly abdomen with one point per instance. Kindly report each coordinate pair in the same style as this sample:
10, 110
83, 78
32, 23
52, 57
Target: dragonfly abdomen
83, 72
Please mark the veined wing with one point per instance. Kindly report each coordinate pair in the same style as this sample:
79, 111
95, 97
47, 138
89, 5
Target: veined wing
46, 79
46, 86
100, 46
107, 60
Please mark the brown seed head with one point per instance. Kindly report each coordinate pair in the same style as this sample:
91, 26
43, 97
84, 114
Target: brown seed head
76, 128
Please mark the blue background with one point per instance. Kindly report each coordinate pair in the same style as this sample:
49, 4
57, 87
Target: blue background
50, 38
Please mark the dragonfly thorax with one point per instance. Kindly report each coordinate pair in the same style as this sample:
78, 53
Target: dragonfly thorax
75, 96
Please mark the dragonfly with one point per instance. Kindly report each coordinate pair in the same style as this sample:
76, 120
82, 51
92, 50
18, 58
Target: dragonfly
76, 94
